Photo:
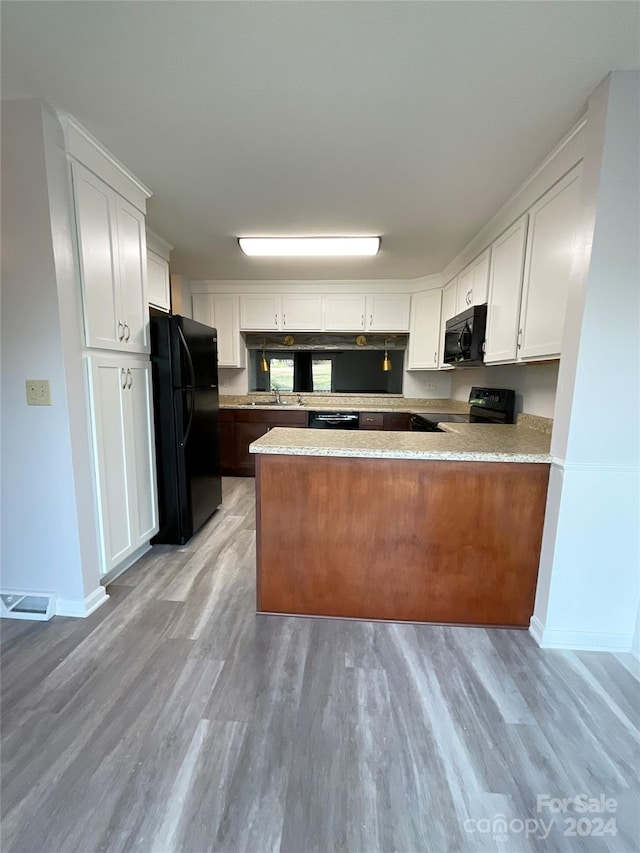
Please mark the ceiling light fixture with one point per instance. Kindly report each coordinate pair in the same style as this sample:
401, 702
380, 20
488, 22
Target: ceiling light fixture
309, 247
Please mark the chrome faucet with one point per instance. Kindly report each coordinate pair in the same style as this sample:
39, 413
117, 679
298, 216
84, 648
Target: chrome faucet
276, 391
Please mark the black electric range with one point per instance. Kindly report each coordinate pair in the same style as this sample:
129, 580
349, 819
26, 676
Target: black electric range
488, 406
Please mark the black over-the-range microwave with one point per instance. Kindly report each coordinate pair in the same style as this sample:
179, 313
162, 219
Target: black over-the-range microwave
464, 337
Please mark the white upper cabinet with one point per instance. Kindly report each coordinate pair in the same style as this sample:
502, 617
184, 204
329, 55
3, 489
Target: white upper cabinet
158, 283
158, 289
302, 312
449, 310
307, 312
113, 265
464, 290
473, 283
344, 312
132, 253
552, 229
505, 288
424, 334
388, 312
222, 311
260, 312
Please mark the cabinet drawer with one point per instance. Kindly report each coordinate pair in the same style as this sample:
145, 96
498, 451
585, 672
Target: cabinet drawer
371, 420
226, 416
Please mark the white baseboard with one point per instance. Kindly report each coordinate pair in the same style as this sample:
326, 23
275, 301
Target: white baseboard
536, 629
81, 608
583, 641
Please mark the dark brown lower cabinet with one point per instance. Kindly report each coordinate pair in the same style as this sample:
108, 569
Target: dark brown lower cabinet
413, 540
240, 427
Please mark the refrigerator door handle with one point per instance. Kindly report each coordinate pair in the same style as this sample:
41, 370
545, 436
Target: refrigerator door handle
188, 354
183, 443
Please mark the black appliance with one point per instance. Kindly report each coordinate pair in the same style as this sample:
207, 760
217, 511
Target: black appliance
464, 337
184, 361
488, 406
333, 420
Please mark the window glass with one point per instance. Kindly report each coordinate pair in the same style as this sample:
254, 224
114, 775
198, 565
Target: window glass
281, 374
321, 372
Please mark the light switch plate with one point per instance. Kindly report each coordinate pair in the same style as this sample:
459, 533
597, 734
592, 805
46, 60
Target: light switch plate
38, 392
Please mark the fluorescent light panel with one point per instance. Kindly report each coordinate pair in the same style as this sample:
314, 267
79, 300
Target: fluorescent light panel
309, 247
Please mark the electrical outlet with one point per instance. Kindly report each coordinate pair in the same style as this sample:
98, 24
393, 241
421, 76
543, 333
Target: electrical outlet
38, 392
430, 386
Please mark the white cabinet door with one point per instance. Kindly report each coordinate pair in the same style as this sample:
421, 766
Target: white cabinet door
222, 311
449, 310
158, 288
132, 253
302, 312
473, 282
344, 312
480, 286
553, 223
202, 308
226, 319
107, 381
505, 288
123, 441
260, 313
388, 312
465, 290
141, 457
424, 335
113, 265
99, 273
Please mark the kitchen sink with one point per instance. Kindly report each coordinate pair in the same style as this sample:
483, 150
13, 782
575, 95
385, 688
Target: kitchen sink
292, 404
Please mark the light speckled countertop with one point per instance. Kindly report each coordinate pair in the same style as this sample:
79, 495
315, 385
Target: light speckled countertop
347, 402
459, 442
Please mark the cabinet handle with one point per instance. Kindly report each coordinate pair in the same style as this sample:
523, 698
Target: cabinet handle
120, 326
519, 338
371, 319
126, 325
284, 319
362, 321
435, 356
124, 378
130, 378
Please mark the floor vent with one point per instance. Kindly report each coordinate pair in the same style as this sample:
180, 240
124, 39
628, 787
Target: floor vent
27, 605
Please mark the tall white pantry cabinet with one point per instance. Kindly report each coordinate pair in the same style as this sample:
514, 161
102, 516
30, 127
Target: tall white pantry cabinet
109, 206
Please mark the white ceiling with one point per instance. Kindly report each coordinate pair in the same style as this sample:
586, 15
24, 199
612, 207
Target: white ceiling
413, 120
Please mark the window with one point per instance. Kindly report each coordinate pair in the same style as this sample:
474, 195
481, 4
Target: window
321, 371
281, 374
341, 371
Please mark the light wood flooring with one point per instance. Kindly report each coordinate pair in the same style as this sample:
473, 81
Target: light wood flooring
175, 719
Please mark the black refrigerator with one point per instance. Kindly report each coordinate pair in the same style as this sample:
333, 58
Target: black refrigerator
184, 361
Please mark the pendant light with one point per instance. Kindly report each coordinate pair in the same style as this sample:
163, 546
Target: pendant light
264, 364
386, 361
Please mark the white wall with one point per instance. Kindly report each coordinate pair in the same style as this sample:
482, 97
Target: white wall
589, 580
49, 536
534, 384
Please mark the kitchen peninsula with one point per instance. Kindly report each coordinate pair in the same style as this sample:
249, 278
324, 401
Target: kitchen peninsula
426, 527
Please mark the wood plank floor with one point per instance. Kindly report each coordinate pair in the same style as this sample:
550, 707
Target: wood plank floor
175, 719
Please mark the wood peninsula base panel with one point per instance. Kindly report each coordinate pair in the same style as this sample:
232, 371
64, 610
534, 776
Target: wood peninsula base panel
419, 540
